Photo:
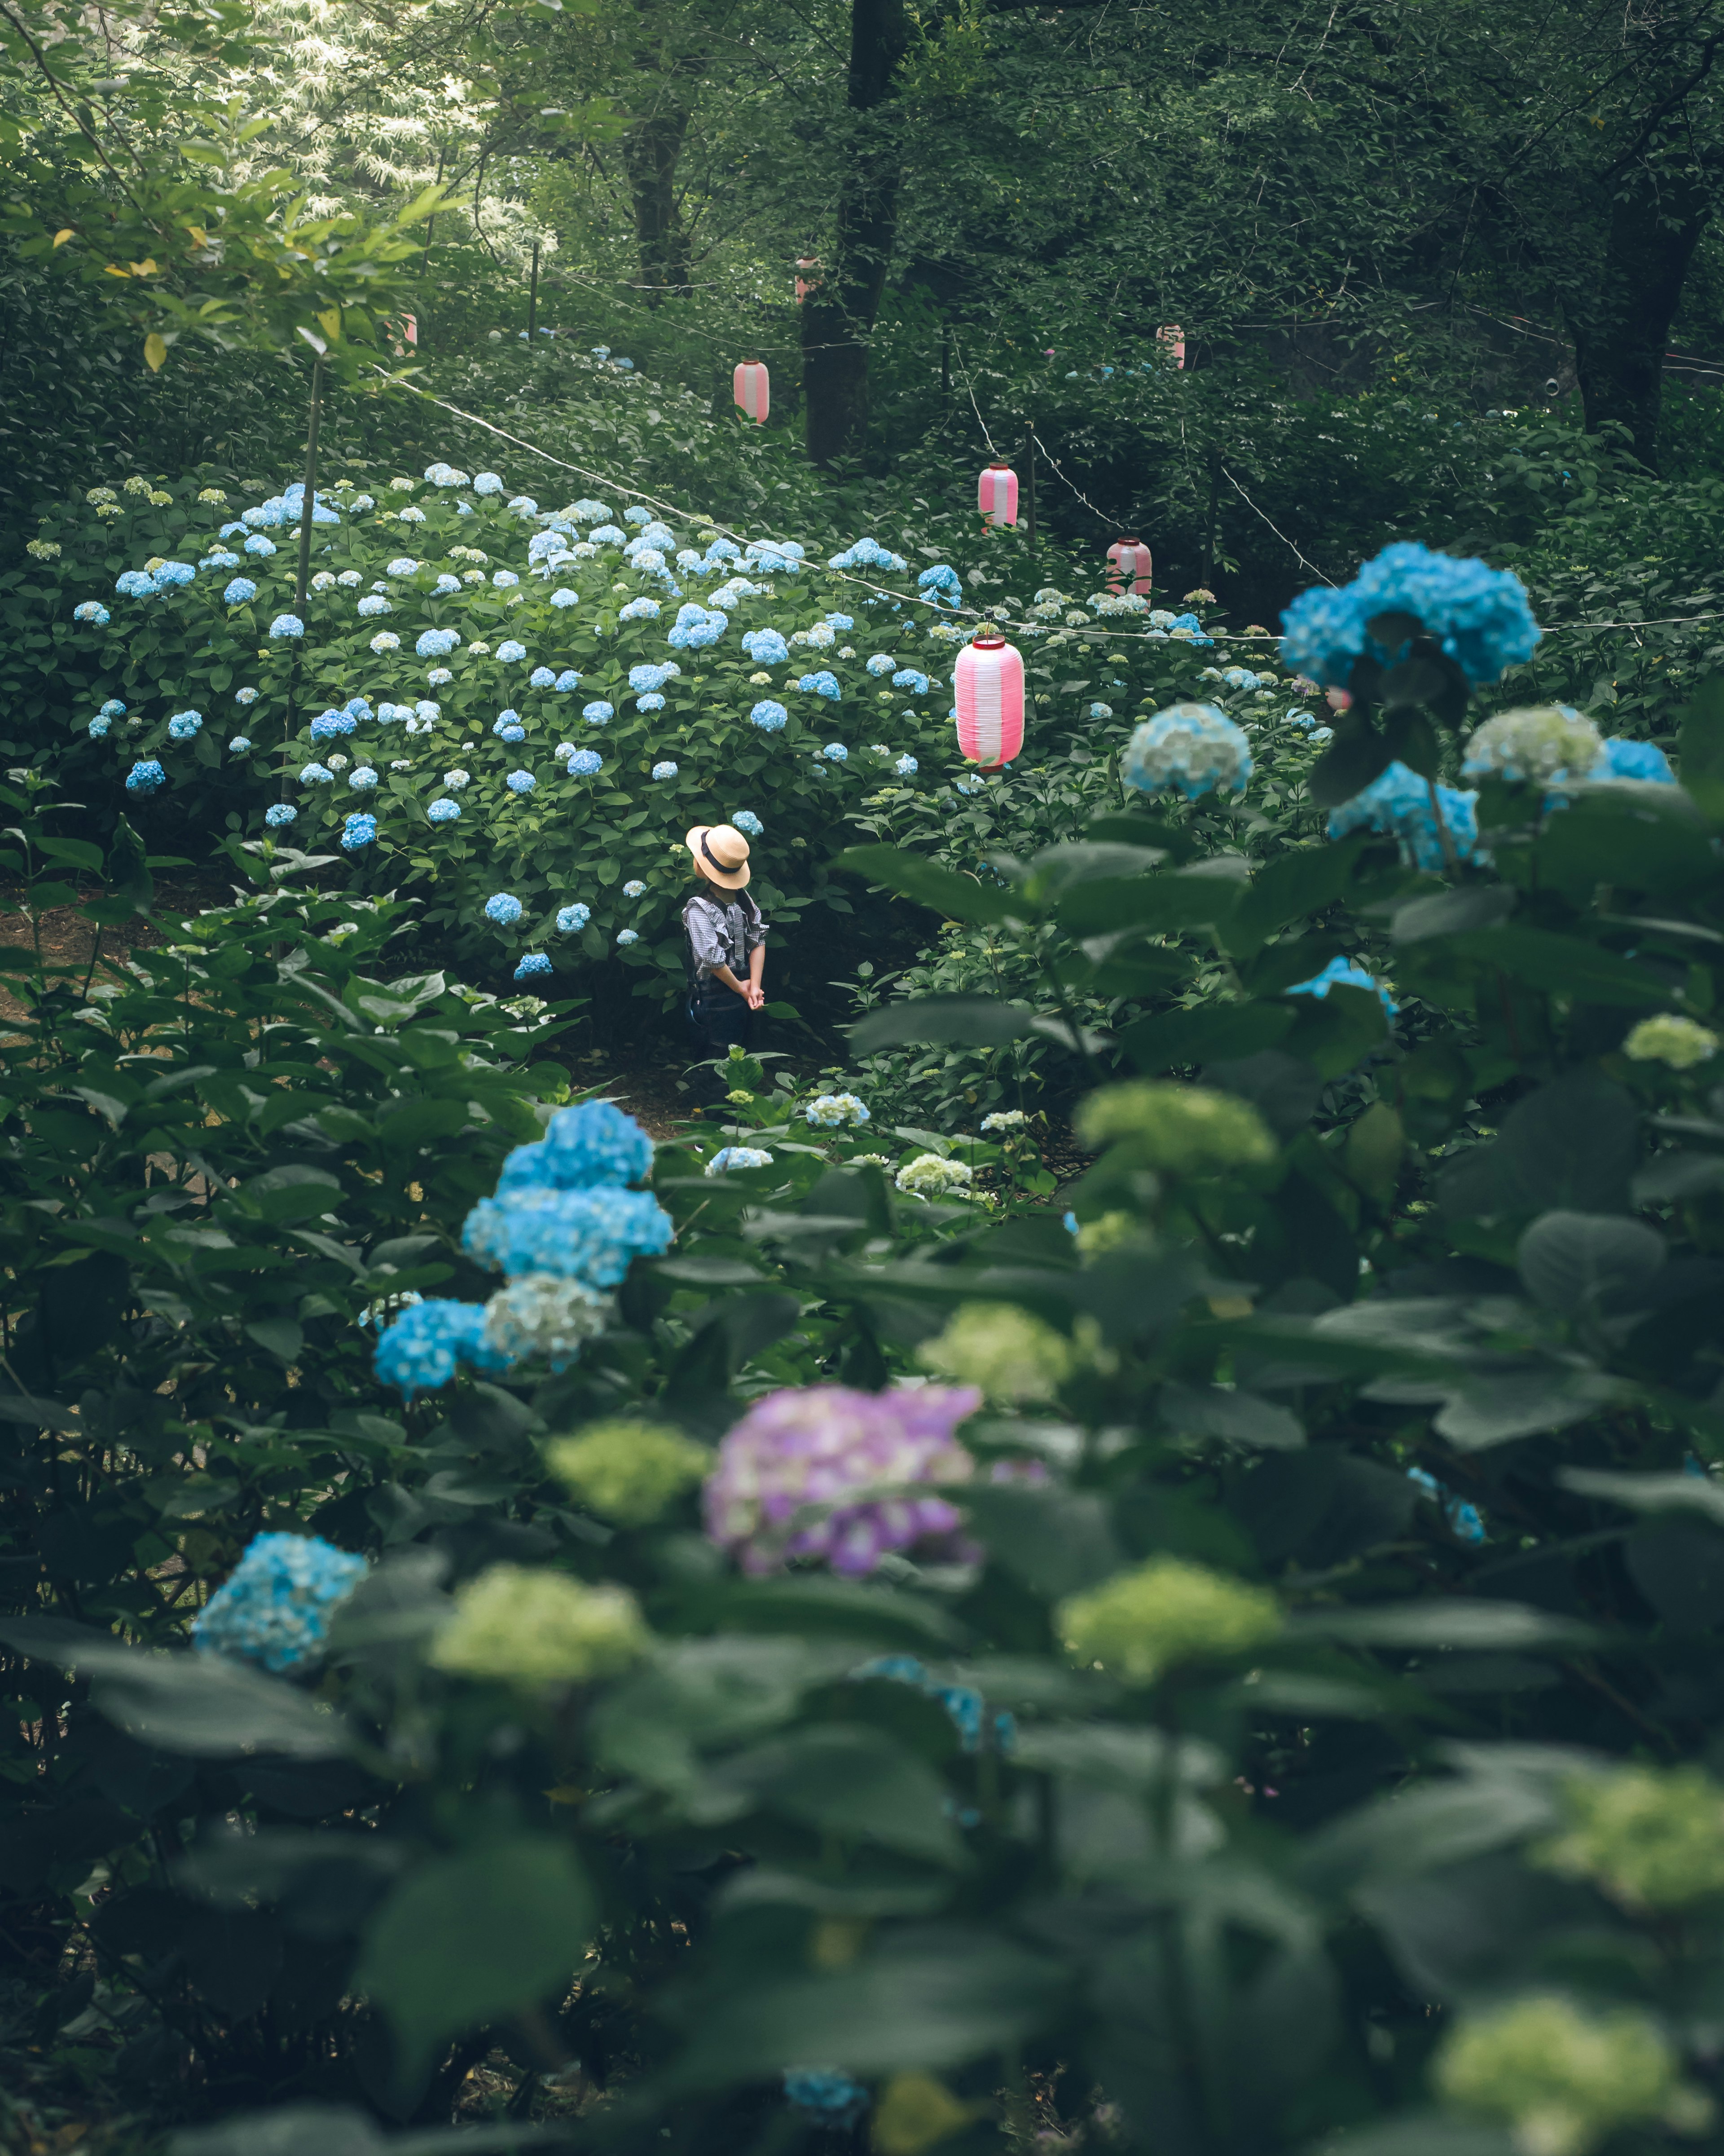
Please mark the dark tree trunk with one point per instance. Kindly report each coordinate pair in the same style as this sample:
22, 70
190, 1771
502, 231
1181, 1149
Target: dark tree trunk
650, 151
1621, 333
837, 316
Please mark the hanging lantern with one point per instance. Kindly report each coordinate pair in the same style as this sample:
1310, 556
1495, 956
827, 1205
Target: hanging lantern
1171, 337
996, 493
809, 282
753, 389
1129, 565
989, 681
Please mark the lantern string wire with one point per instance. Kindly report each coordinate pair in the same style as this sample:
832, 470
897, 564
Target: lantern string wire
1111, 522
1096, 632
1280, 534
970, 390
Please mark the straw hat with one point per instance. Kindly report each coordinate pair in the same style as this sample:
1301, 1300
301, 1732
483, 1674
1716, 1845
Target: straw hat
720, 854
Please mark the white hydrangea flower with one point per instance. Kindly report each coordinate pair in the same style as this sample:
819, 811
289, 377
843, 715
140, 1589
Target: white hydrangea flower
929, 1176
1537, 743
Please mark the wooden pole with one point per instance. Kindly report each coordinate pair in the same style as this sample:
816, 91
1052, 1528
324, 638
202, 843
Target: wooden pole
532, 300
945, 359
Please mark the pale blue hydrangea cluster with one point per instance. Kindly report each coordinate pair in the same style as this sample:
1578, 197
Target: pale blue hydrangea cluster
591, 1235
697, 628
1191, 749
185, 725
275, 1606
1345, 973
868, 554
1398, 802
287, 625
647, 677
881, 663
599, 713
359, 830
521, 781
327, 725
444, 811
830, 2098
1644, 761
942, 584
906, 767
92, 610
823, 683
662, 772
835, 752
626, 935
584, 763
766, 647
239, 592
910, 678
768, 716
510, 651
436, 643
317, 774
572, 919
1479, 616
98, 727
532, 962
144, 776
831, 1111
734, 1157
745, 821
503, 907
963, 1703
507, 726
279, 813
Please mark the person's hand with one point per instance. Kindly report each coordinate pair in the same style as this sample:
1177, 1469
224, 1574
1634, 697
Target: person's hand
756, 994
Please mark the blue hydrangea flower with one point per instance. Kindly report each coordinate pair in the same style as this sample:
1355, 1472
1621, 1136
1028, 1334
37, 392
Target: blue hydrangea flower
1633, 759
317, 774
371, 606
487, 482
329, 724
98, 728
220, 558
365, 778
634, 514
1344, 974
906, 767
628, 935
606, 535
571, 919
443, 811
420, 1352
565, 598
144, 777
1192, 749
835, 752
641, 609
648, 676
238, 745
745, 821
275, 1606
650, 703
279, 813
92, 610
504, 720
287, 624
503, 907
114, 709
882, 663
595, 714
823, 683
593, 1147
403, 565
591, 1235
728, 1157
830, 2098
240, 696
510, 652
436, 643
1100, 712
521, 781
568, 680
768, 716
446, 586
136, 584
532, 962
439, 677
586, 511
942, 584
1400, 801
663, 771
359, 830
868, 554
1480, 616
259, 546
541, 677
185, 725
908, 677
585, 763
766, 647
239, 591
634, 888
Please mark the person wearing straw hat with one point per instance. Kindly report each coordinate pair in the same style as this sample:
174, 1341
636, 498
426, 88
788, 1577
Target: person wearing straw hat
726, 945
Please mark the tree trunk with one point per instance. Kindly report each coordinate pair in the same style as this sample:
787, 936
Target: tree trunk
650, 151
837, 316
1621, 332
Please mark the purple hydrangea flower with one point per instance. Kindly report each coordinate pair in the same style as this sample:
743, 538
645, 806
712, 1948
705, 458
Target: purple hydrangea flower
827, 1472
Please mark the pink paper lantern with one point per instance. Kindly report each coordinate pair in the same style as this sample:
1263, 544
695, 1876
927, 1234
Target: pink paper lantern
989, 681
996, 493
753, 389
1130, 566
1173, 338
810, 283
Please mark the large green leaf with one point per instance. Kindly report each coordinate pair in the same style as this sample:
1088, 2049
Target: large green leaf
468, 1938
1572, 1261
964, 1021
1564, 965
1301, 881
849, 1780
1167, 899
913, 875
1212, 1033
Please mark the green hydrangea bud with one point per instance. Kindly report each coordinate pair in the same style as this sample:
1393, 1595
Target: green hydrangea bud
1184, 1130
1112, 1231
1168, 1611
1011, 1355
627, 1472
1650, 1838
532, 1628
1534, 743
1678, 1041
1565, 2079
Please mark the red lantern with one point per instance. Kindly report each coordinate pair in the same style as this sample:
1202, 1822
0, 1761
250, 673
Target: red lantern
989, 681
753, 389
1130, 566
996, 493
1173, 338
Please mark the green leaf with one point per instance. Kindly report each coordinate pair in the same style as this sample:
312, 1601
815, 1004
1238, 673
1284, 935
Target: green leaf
469, 1938
1700, 747
1241, 1418
966, 1021
1212, 1033
1571, 1261
1161, 902
1564, 965
847, 1780
958, 897
1450, 1621
1299, 883
206, 1704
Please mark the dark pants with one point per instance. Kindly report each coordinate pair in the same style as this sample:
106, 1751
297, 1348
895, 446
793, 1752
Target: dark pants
717, 1018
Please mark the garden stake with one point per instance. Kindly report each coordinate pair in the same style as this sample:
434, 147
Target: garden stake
1029, 487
